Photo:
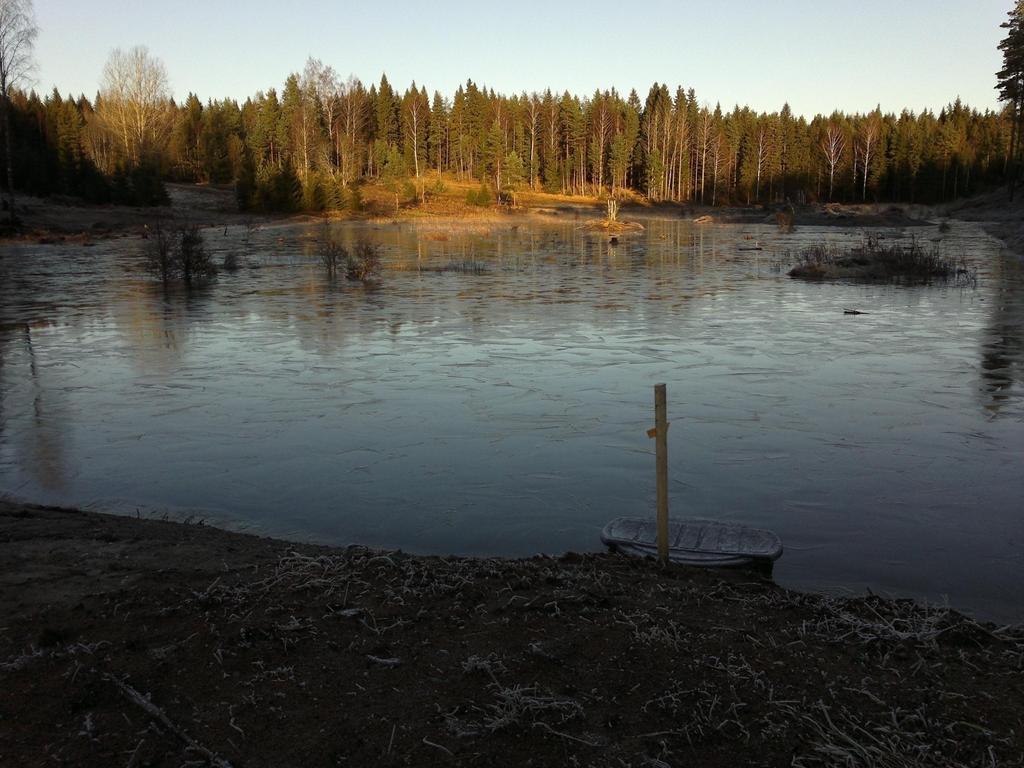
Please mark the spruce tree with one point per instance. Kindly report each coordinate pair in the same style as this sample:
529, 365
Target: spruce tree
1010, 84
438, 132
515, 175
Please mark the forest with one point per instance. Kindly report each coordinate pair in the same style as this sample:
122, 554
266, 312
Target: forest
313, 144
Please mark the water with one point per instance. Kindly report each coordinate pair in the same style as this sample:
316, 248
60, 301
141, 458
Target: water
505, 412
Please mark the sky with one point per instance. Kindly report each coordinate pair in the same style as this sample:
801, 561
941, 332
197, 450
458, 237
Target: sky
816, 55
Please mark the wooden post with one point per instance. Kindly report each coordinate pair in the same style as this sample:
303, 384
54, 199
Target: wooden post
661, 460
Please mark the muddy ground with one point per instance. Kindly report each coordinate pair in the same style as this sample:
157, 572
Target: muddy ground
127, 642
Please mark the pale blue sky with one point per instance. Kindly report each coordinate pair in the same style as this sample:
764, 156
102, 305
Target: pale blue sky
815, 54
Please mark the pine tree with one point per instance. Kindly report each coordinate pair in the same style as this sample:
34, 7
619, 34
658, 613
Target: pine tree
515, 175
1010, 84
67, 132
393, 170
264, 142
185, 139
387, 114
494, 155
438, 133
245, 182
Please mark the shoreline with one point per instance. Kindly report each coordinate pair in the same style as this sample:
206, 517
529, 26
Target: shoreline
59, 220
133, 641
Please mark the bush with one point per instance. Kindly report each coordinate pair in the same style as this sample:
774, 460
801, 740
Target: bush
160, 253
277, 190
179, 253
332, 255
194, 260
481, 196
139, 186
876, 260
354, 198
314, 195
148, 187
365, 263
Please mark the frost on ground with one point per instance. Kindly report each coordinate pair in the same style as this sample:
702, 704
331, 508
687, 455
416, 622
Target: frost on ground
130, 642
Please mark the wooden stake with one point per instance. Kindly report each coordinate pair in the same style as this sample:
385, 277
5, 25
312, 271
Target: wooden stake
661, 460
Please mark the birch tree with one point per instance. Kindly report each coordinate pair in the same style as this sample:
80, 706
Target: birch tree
354, 112
416, 110
321, 81
704, 128
833, 144
134, 101
533, 112
761, 157
869, 134
716, 164
17, 37
601, 128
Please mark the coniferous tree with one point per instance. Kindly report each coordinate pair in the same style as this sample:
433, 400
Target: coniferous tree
438, 139
1010, 84
185, 140
515, 175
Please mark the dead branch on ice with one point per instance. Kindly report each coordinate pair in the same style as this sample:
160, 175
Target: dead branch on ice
158, 714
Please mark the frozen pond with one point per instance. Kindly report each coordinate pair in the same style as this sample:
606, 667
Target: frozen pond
504, 412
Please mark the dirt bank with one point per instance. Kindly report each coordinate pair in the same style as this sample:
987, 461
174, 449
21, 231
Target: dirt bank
1000, 217
831, 215
58, 219
135, 642
68, 220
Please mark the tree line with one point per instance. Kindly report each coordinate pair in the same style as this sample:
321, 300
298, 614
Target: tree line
313, 144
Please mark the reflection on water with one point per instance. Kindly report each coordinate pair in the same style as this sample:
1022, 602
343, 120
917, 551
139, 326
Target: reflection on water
1002, 359
491, 395
40, 431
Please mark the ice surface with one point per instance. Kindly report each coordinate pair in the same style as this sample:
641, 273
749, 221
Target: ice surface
502, 409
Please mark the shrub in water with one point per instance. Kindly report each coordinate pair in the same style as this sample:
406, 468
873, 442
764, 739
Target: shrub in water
179, 253
364, 263
877, 260
160, 253
332, 255
193, 259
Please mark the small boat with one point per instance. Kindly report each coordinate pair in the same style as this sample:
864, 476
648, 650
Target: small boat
705, 543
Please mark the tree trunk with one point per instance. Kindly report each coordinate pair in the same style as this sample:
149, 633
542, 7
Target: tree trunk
305, 146
533, 141
1015, 146
5, 102
867, 160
